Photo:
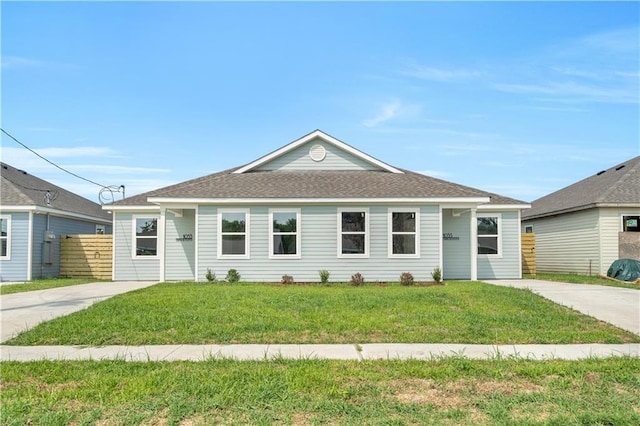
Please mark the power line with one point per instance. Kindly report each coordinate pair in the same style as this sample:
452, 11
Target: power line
52, 163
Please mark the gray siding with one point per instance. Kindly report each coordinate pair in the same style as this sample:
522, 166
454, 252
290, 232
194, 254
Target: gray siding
58, 226
180, 253
15, 268
319, 233
508, 264
336, 159
568, 243
456, 251
125, 266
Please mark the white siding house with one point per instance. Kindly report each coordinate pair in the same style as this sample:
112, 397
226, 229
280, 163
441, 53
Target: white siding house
316, 204
579, 228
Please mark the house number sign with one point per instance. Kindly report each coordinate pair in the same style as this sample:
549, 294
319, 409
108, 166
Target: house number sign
185, 237
449, 237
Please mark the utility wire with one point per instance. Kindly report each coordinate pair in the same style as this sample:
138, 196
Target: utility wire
51, 162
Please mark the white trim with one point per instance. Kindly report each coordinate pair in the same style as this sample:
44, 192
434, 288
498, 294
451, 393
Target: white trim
134, 236
298, 234
366, 232
519, 249
161, 242
325, 137
114, 244
503, 207
54, 212
474, 245
499, 235
247, 233
8, 237
441, 242
390, 232
469, 202
622, 215
196, 251
30, 248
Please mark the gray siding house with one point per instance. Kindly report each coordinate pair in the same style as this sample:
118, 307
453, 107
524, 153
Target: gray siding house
33, 215
584, 227
315, 204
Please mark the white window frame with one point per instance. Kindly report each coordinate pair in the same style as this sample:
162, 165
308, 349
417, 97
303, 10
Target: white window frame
622, 216
246, 233
298, 234
391, 233
498, 216
366, 232
102, 228
7, 218
134, 234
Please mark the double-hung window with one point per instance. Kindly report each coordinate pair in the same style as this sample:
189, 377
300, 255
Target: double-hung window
404, 232
5, 237
284, 229
233, 234
353, 233
146, 236
489, 239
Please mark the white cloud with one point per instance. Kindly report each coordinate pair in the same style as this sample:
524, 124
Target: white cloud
385, 113
443, 75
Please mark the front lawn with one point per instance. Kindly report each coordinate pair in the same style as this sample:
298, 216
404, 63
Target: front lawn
43, 284
197, 313
453, 391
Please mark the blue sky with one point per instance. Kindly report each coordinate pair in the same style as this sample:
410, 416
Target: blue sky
520, 99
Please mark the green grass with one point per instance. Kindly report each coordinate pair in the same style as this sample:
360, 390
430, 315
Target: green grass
196, 313
43, 284
582, 279
316, 392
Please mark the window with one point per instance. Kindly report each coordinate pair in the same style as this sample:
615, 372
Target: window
489, 235
528, 229
5, 237
404, 235
353, 230
233, 233
284, 230
146, 236
630, 223
100, 229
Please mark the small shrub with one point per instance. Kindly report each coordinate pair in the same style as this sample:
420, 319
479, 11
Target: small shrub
357, 279
233, 276
287, 279
324, 276
210, 276
406, 278
437, 275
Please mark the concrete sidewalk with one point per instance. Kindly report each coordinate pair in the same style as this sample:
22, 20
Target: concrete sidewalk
362, 352
615, 305
21, 311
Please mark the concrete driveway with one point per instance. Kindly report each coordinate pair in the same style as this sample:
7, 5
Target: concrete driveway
21, 311
615, 305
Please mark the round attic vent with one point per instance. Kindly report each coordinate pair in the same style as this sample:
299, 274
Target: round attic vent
317, 153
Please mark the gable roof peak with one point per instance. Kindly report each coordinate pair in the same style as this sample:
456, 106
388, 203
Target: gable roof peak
326, 138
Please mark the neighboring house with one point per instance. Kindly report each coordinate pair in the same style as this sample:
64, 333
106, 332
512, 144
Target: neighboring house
584, 227
316, 204
33, 215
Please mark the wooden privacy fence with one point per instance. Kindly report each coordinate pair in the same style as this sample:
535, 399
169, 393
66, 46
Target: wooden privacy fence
529, 254
86, 256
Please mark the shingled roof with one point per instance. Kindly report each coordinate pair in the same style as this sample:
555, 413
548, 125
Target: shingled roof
618, 186
20, 189
317, 185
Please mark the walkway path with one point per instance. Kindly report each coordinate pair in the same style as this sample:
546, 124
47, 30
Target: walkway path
24, 310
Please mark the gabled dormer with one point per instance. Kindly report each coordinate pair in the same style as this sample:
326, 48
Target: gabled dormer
317, 151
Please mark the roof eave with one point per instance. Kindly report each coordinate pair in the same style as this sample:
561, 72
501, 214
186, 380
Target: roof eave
581, 208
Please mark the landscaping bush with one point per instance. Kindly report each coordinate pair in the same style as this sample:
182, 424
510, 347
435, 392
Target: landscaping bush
406, 278
287, 279
210, 276
357, 279
324, 276
233, 276
437, 275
